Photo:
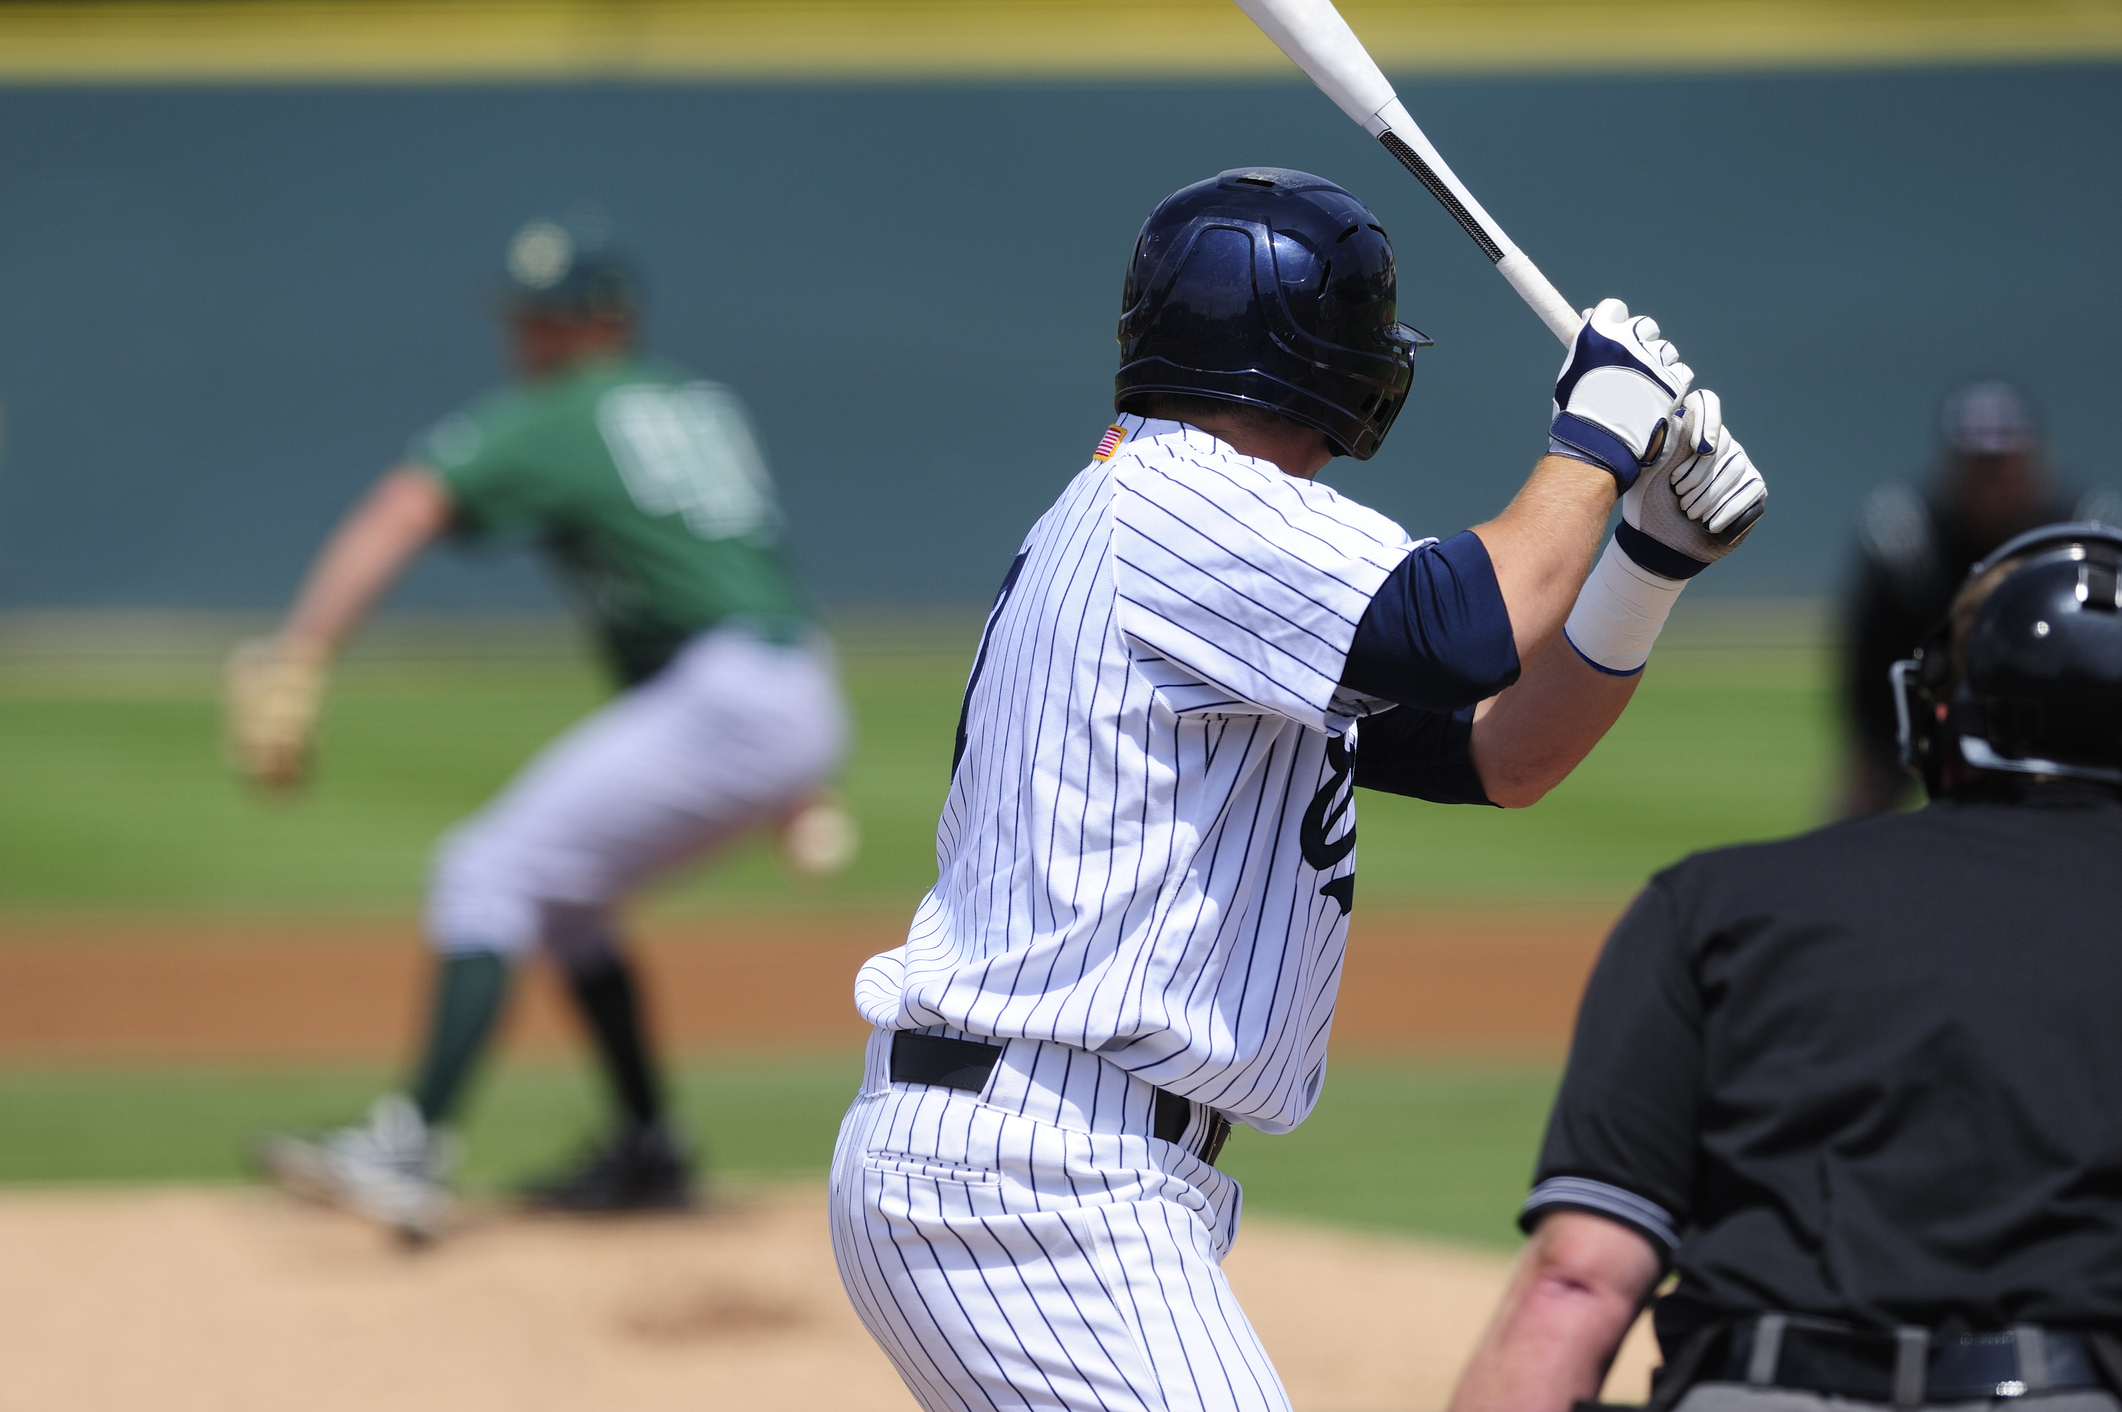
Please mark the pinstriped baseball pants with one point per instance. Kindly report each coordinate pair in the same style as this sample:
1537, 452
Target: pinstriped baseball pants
1033, 1247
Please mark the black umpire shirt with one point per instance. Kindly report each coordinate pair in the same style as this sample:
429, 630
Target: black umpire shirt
1872, 1073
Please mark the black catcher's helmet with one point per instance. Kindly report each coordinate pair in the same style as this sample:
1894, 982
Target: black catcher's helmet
2025, 674
1271, 288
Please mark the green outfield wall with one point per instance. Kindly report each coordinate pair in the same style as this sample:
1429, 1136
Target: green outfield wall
228, 298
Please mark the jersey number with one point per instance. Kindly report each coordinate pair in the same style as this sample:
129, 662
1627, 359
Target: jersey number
1327, 807
994, 615
688, 451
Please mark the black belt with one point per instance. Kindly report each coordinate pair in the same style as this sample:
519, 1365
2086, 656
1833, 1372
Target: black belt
966, 1064
1907, 1366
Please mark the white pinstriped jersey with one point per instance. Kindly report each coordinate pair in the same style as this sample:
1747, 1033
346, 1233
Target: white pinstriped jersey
1147, 849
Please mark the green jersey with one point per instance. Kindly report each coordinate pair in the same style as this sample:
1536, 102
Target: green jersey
646, 489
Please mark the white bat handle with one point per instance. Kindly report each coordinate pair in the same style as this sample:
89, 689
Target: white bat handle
1393, 126
1546, 300
1318, 39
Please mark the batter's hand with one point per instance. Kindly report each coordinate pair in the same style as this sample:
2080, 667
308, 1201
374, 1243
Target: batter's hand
1619, 382
271, 693
1701, 496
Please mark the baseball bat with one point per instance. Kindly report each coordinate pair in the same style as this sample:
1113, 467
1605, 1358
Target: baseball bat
1315, 36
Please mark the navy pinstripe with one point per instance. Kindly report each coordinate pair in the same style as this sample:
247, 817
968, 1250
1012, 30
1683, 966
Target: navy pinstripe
1122, 905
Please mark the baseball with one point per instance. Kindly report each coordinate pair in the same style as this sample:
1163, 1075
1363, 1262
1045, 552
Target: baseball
820, 839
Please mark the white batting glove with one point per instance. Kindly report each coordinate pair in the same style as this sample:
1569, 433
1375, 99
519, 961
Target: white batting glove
1618, 384
1689, 508
1698, 499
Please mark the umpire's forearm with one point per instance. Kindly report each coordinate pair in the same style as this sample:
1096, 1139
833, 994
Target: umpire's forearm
365, 555
1572, 1296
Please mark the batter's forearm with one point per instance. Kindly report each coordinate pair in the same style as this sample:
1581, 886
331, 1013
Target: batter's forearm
1526, 740
366, 555
1542, 546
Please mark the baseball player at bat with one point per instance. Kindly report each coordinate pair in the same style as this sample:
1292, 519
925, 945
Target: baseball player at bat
647, 491
1147, 854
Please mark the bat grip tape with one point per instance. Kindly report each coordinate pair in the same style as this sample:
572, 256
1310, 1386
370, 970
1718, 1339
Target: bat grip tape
1412, 160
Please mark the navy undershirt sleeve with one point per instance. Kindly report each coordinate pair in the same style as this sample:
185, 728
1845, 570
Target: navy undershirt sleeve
1436, 635
1423, 754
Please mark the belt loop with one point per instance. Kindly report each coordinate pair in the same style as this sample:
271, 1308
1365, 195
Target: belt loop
1767, 1349
2033, 1356
1911, 1360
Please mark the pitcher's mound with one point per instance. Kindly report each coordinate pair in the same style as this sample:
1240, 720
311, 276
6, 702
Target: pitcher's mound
178, 1299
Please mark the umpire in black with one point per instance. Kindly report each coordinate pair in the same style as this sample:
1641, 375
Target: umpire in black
1859, 1093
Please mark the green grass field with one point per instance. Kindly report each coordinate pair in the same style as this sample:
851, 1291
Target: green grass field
1441, 1150
113, 799
113, 796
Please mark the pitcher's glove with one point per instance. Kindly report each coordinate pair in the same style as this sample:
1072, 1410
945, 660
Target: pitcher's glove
271, 694
1696, 501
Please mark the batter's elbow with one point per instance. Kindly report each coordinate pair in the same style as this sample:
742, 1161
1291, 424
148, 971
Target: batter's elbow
1518, 766
1521, 798
1511, 786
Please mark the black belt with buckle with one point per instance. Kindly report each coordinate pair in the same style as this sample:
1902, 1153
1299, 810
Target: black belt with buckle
966, 1064
1907, 1366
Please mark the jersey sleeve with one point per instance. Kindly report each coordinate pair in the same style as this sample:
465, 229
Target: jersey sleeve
1437, 635
471, 453
1247, 583
1621, 1140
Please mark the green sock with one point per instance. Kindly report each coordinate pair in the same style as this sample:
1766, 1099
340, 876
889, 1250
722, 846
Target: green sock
605, 995
469, 989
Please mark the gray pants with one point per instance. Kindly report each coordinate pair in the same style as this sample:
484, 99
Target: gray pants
1745, 1397
731, 733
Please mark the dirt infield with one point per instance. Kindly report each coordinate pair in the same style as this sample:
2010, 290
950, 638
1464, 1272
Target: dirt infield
193, 1299
333, 989
190, 1300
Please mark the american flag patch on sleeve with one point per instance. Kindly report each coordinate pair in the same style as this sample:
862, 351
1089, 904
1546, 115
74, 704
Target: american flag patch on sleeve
1109, 443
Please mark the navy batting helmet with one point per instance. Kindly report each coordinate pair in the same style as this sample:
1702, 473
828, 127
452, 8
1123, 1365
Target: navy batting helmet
2025, 674
1274, 289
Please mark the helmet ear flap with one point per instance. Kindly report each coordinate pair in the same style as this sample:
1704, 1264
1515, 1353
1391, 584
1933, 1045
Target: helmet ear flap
2014, 727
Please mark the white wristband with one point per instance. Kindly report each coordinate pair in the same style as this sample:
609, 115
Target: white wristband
1619, 612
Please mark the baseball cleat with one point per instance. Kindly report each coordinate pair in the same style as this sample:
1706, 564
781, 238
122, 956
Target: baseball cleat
634, 1169
393, 1169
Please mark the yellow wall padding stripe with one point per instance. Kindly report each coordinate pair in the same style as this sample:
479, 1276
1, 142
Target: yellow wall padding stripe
400, 41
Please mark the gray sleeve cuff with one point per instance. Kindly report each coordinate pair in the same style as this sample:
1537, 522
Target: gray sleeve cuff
1639, 1214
